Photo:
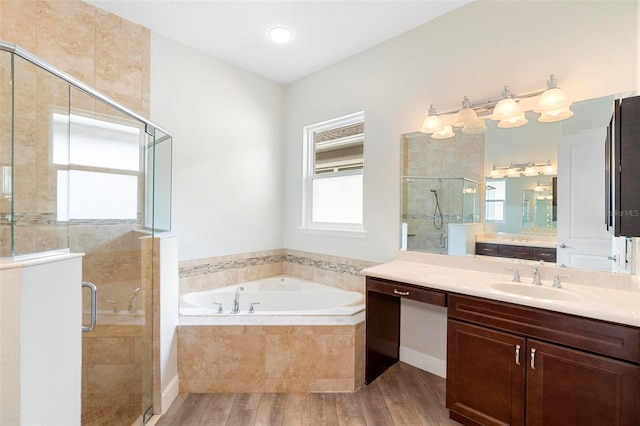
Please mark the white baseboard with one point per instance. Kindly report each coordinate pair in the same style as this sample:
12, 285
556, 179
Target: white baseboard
424, 362
170, 393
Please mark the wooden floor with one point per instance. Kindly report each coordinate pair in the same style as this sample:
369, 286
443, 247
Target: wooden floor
404, 395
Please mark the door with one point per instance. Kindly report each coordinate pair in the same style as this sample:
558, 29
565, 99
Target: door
583, 241
568, 387
485, 375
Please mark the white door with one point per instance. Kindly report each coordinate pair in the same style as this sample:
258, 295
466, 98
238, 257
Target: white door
583, 241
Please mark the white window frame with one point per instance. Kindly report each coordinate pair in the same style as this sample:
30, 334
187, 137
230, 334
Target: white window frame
309, 175
66, 165
503, 201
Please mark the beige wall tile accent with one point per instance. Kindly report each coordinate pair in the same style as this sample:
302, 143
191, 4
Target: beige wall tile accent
215, 272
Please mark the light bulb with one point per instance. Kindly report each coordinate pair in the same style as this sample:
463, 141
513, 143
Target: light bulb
280, 34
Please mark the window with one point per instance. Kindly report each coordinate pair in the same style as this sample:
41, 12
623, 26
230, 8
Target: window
104, 167
333, 180
494, 199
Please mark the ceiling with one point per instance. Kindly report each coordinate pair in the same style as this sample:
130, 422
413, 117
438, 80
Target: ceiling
324, 32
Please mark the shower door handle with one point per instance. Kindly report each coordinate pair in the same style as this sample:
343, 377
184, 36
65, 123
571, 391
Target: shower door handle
94, 299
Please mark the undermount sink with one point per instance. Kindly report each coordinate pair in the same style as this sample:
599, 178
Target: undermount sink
536, 291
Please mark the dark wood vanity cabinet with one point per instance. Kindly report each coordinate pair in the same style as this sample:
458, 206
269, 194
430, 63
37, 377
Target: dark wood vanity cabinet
383, 321
622, 174
513, 365
516, 252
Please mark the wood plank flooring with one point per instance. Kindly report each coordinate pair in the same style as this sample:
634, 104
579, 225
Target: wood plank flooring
403, 395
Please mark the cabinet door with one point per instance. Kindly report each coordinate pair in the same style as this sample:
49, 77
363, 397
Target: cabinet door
569, 387
382, 334
485, 375
486, 249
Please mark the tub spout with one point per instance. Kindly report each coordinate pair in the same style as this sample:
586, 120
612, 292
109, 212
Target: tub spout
134, 301
236, 301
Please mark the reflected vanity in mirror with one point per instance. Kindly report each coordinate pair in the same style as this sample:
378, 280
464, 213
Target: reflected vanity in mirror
534, 192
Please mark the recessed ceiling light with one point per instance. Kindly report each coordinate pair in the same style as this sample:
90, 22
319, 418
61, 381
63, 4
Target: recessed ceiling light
280, 34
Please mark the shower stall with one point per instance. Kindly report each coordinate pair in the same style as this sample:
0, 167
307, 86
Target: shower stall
430, 204
80, 173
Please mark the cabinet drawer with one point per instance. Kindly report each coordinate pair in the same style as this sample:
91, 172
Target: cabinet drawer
487, 249
514, 252
546, 254
614, 340
407, 291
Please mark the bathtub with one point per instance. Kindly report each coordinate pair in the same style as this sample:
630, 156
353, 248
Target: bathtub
275, 296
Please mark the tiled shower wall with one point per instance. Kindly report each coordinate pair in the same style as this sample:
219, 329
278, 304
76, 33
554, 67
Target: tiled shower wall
214, 272
112, 56
422, 156
103, 51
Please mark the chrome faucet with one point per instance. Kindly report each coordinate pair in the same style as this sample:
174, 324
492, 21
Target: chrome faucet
557, 280
536, 276
516, 274
134, 301
236, 301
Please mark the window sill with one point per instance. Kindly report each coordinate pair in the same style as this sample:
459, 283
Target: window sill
333, 232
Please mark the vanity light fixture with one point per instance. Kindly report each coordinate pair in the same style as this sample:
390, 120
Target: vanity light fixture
530, 170
475, 127
553, 104
432, 123
522, 169
507, 111
548, 169
280, 35
445, 133
466, 115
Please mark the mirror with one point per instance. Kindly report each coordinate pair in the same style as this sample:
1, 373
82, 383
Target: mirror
515, 205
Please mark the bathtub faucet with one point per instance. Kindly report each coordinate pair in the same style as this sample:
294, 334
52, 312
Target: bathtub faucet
236, 301
133, 301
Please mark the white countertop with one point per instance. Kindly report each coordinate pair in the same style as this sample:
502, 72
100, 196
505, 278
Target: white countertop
603, 296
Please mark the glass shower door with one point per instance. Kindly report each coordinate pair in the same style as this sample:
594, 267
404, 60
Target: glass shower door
104, 191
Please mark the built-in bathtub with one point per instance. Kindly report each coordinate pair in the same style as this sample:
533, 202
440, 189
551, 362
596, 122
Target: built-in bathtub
280, 295
302, 337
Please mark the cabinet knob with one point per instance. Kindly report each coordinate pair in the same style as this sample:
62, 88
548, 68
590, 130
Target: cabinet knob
562, 245
517, 354
400, 293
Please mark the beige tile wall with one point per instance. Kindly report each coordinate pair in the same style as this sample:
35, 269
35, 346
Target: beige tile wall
214, 272
112, 56
458, 157
271, 358
103, 51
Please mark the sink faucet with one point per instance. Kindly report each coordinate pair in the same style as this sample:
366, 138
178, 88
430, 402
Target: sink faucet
236, 301
536, 276
516, 274
133, 301
557, 280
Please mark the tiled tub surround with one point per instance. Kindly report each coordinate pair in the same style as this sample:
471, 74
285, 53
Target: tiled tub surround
222, 271
271, 358
271, 354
